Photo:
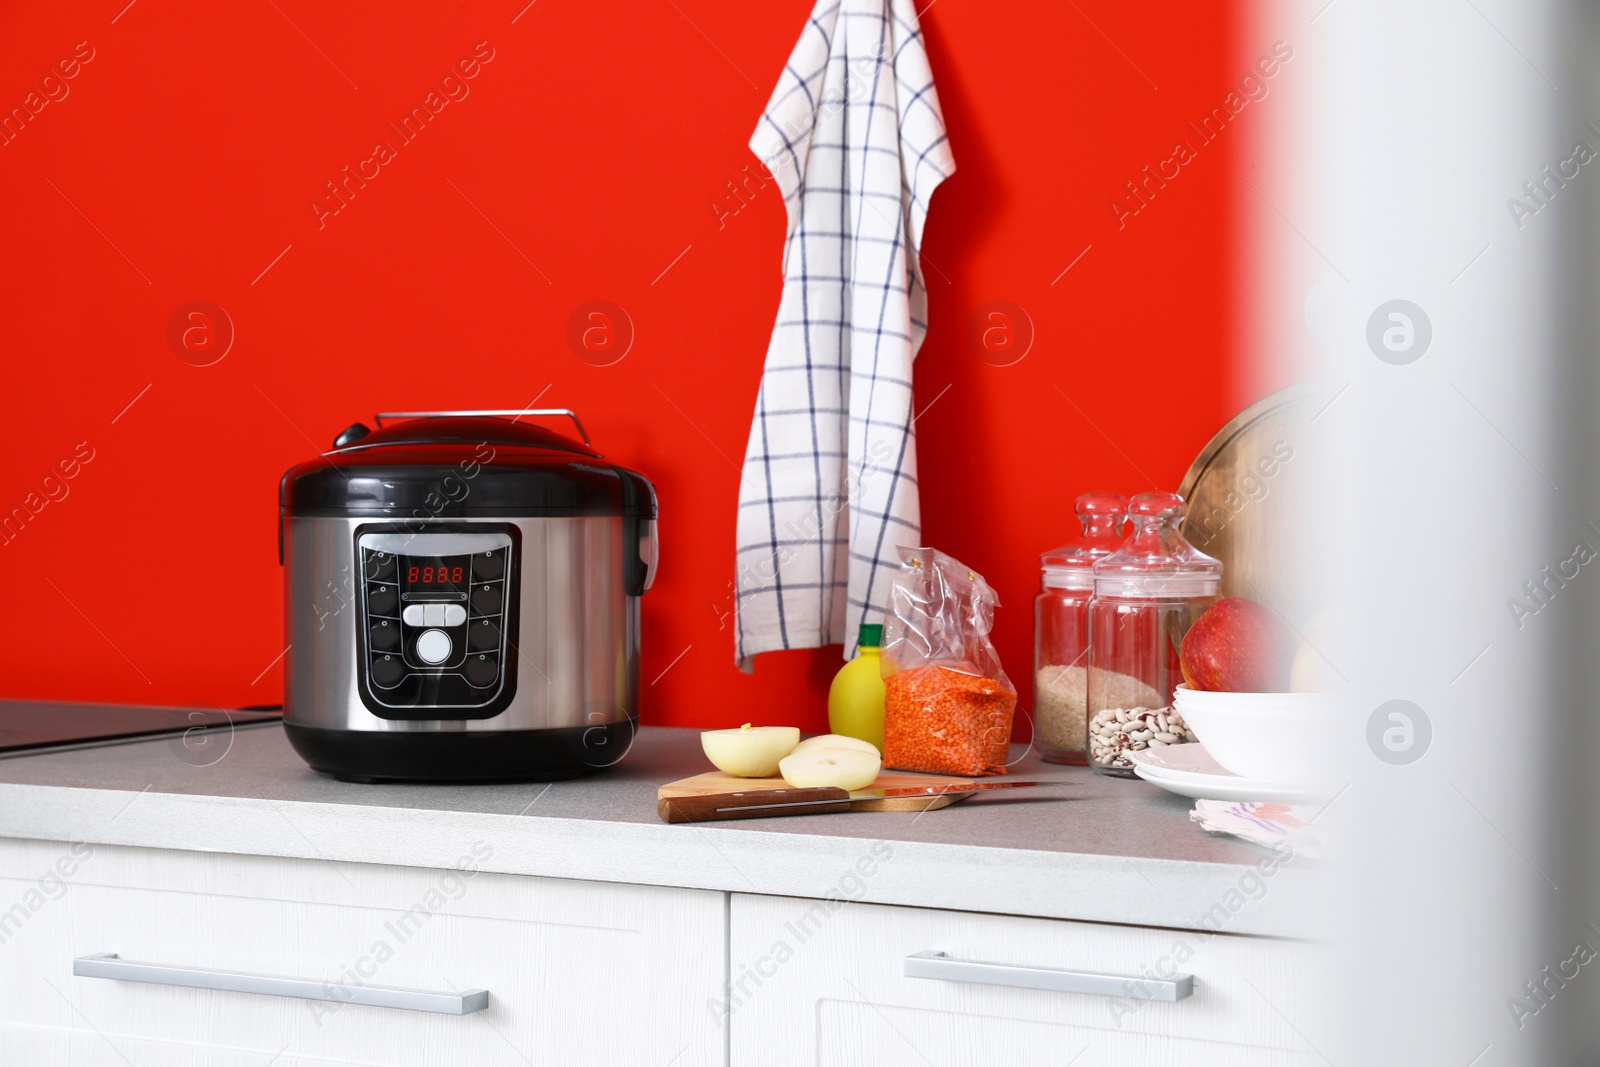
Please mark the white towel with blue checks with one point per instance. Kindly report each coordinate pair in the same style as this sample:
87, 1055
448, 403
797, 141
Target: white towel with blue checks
854, 136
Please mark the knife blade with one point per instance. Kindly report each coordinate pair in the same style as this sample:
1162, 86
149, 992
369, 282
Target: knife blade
935, 790
759, 803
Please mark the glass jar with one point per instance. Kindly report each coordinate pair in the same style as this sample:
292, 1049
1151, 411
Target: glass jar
1061, 628
1146, 596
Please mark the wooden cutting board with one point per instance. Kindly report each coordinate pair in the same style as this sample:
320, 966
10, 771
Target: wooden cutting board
717, 782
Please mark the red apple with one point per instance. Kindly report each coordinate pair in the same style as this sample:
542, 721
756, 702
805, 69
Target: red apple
1238, 646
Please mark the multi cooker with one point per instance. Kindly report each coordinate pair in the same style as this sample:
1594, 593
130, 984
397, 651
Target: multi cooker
461, 599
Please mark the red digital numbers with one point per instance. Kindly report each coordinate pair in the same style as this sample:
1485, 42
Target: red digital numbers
419, 575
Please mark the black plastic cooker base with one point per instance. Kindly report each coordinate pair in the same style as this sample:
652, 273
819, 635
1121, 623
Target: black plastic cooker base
462, 756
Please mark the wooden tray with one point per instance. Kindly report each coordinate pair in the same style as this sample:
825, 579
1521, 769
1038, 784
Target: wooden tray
1255, 537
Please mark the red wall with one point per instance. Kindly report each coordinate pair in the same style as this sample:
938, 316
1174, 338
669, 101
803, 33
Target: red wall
185, 156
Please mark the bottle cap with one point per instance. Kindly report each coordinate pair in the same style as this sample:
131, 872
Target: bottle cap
871, 635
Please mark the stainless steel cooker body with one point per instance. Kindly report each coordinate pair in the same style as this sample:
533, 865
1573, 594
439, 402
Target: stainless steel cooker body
569, 651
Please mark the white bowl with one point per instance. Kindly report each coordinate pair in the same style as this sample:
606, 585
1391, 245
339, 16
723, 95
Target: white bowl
1279, 737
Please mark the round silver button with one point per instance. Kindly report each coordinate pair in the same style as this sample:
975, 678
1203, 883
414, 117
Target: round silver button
433, 646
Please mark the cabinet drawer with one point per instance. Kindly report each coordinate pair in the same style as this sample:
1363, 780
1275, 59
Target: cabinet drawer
33, 1046
580, 972
826, 982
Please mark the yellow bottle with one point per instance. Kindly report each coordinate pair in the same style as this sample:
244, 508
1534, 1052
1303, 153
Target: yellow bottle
855, 699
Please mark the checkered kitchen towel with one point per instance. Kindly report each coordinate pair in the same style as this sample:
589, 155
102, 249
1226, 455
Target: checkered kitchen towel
854, 136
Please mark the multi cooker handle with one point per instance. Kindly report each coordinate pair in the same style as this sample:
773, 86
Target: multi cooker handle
510, 413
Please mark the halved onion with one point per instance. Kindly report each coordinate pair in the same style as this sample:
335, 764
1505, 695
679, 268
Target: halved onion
841, 768
749, 751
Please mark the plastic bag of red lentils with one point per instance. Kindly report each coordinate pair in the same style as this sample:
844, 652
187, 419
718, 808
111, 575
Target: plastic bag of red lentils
947, 702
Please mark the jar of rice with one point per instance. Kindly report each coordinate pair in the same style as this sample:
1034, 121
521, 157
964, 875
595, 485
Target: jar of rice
1061, 628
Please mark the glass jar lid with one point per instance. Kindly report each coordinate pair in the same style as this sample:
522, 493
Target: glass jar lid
1071, 566
1156, 561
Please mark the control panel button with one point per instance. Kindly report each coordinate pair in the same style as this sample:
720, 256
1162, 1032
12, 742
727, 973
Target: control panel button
454, 615
482, 671
488, 566
382, 599
433, 647
483, 636
386, 671
433, 614
380, 567
486, 600
384, 636
413, 615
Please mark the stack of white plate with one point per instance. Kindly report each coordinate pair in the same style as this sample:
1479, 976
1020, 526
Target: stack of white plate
1189, 771
1253, 746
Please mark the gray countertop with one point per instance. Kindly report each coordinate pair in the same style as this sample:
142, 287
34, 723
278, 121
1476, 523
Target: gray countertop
1083, 847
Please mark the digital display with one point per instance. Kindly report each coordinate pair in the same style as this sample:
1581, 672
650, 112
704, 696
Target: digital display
435, 573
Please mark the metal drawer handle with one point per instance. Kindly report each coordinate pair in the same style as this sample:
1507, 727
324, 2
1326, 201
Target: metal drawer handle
108, 965
937, 965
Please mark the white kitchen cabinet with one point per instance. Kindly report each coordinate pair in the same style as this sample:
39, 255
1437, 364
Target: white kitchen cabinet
818, 982
585, 972
577, 972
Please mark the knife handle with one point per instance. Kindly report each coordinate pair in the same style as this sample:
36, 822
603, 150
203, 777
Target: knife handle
756, 804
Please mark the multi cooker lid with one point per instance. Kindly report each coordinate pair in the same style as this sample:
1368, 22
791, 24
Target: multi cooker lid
463, 464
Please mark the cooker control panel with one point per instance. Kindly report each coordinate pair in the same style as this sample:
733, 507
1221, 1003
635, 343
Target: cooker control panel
436, 628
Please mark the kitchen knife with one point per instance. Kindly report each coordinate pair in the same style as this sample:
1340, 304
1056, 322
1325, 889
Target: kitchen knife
760, 803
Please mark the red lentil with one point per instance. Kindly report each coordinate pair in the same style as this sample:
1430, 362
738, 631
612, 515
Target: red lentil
942, 721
